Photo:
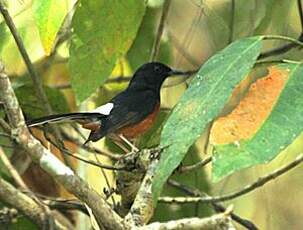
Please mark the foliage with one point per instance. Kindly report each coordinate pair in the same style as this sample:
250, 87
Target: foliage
108, 40
104, 30
202, 102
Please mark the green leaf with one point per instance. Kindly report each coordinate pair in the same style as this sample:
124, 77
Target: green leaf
103, 32
194, 179
49, 15
279, 130
32, 107
202, 102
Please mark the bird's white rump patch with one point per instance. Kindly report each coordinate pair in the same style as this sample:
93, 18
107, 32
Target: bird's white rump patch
104, 109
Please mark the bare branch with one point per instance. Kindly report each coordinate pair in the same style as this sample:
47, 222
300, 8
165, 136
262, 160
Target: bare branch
300, 9
260, 182
156, 46
89, 147
143, 208
22, 202
105, 215
219, 221
82, 158
17, 178
200, 164
216, 206
281, 49
4, 126
232, 20
32, 72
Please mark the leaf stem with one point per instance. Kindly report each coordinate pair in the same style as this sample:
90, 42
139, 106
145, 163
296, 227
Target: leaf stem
284, 38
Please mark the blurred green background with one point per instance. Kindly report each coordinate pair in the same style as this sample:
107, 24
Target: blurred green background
194, 31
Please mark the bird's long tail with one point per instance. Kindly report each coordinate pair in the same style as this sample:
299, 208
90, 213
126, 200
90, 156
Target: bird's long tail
79, 117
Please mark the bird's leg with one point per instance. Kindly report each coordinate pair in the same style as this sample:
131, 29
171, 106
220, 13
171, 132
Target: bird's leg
133, 147
120, 145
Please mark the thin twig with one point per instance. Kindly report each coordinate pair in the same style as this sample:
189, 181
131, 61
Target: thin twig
281, 49
156, 46
84, 159
11, 169
200, 164
40, 93
216, 206
104, 214
259, 183
19, 181
89, 147
5, 126
232, 20
32, 72
273, 62
63, 204
24, 203
106, 179
300, 9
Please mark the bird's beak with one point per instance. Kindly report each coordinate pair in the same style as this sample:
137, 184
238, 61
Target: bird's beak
178, 72
175, 72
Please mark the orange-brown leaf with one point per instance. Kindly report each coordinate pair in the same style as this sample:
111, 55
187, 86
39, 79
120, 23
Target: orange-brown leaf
248, 116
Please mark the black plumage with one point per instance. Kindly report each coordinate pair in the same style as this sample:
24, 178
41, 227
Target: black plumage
130, 107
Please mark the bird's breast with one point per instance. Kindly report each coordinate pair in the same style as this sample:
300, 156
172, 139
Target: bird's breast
133, 131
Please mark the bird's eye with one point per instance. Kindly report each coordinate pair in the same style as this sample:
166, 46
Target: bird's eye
157, 69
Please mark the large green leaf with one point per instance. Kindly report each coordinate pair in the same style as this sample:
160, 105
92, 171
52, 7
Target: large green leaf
103, 31
194, 179
202, 102
279, 130
49, 15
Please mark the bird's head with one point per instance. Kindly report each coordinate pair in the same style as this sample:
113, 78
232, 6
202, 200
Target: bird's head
152, 75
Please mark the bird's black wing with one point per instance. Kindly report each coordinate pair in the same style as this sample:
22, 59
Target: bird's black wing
129, 108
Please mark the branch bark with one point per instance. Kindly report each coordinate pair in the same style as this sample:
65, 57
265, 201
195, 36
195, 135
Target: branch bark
22, 202
260, 182
143, 208
106, 217
220, 221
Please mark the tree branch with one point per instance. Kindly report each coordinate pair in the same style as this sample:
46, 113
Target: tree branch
219, 221
216, 206
105, 215
300, 9
22, 202
232, 20
143, 208
156, 46
32, 72
260, 182
17, 178
281, 49
200, 164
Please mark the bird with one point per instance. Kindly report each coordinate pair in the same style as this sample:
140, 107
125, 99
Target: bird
127, 115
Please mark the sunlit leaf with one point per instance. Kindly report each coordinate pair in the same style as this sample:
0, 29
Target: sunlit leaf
279, 130
103, 31
49, 15
202, 102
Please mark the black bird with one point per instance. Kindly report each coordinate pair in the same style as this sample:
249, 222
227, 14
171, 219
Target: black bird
129, 114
